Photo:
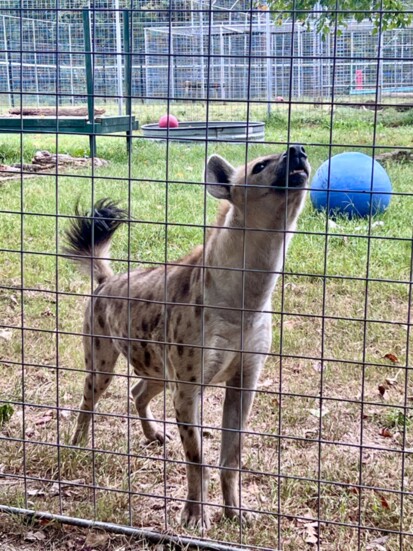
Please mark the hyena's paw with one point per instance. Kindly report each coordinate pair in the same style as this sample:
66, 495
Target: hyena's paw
246, 518
194, 515
156, 433
81, 434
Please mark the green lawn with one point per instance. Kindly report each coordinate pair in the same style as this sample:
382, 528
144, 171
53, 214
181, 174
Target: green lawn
354, 330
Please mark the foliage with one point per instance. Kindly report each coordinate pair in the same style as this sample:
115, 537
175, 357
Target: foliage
331, 14
6, 411
397, 419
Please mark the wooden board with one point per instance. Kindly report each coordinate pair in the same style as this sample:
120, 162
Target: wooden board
51, 111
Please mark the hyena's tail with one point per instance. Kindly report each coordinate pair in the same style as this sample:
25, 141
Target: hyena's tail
89, 236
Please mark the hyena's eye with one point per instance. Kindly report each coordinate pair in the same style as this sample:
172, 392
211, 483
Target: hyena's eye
259, 167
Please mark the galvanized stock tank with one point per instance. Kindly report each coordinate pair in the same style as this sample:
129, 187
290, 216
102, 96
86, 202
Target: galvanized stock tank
211, 131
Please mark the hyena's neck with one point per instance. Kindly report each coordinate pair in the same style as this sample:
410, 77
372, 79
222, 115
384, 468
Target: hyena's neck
252, 261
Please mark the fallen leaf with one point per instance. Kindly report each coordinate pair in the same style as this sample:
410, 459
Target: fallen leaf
311, 538
291, 286
376, 544
394, 359
383, 501
375, 547
309, 432
78, 481
318, 367
44, 522
382, 389
35, 536
306, 518
35, 492
57, 487
377, 224
44, 419
158, 506
382, 539
393, 380
319, 413
95, 539
257, 492
267, 383
385, 432
313, 524
6, 334
311, 532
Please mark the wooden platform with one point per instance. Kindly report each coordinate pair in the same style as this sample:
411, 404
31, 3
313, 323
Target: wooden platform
68, 125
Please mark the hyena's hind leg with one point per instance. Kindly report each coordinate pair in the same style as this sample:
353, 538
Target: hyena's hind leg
100, 359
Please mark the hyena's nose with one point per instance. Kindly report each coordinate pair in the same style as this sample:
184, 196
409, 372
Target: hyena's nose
296, 151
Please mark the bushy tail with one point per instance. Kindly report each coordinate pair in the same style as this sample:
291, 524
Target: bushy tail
89, 235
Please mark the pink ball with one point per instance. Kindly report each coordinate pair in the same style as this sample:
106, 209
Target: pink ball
168, 121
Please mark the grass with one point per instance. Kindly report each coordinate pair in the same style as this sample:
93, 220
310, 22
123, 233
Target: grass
300, 461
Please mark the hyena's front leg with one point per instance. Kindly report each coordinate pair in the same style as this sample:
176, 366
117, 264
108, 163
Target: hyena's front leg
186, 402
239, 396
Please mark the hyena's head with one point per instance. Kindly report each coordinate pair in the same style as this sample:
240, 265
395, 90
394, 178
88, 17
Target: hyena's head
267, 192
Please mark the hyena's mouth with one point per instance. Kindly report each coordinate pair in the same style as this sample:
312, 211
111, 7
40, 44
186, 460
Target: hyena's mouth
298, 177
295, 161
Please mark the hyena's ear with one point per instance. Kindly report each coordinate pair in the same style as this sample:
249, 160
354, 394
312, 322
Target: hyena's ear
218, 174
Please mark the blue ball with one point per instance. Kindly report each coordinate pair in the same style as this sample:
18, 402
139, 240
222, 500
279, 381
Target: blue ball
348, 178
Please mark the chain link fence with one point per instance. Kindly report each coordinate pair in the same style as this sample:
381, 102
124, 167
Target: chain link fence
197, 53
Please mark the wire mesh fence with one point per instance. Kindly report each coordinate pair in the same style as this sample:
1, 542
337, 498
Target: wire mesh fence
272, 340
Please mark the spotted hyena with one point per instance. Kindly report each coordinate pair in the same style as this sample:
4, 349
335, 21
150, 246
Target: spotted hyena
185, 323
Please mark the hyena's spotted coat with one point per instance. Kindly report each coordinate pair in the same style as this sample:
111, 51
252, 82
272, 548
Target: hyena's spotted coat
207, 307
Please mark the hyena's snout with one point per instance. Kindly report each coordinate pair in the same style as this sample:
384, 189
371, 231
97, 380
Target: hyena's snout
295, 166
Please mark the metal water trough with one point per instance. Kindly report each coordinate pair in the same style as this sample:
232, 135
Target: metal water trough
211, 131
